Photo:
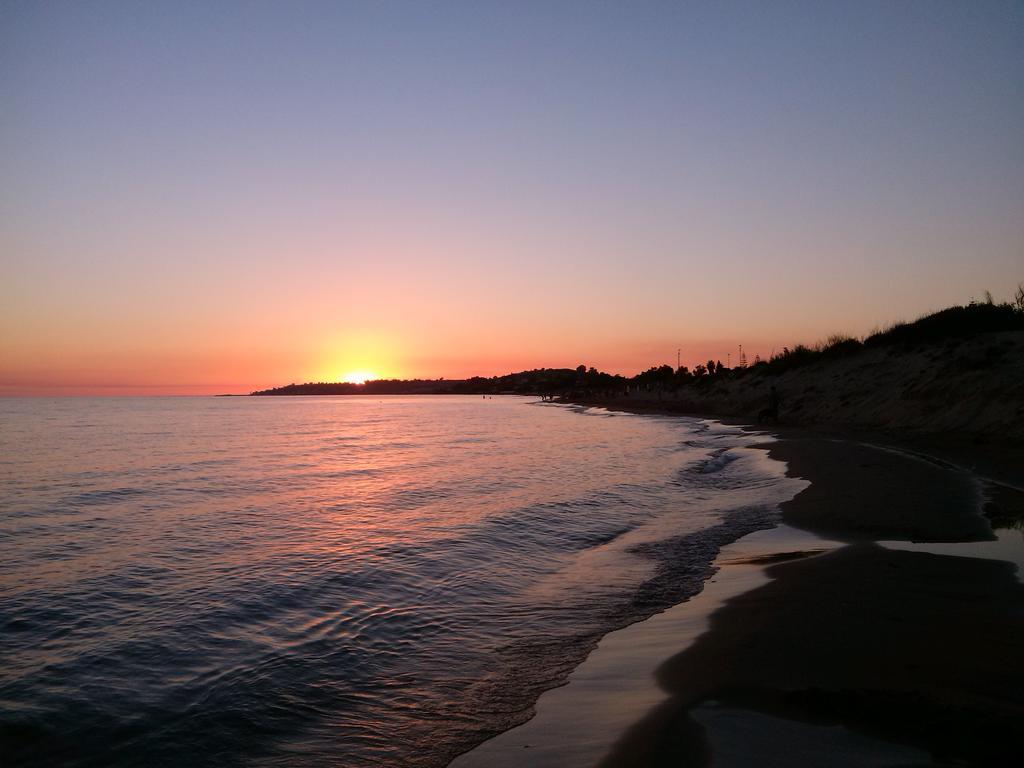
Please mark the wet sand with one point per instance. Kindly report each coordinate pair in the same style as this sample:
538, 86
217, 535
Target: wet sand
862, 655
577, 725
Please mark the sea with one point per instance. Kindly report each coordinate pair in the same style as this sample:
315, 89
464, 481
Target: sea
336, 581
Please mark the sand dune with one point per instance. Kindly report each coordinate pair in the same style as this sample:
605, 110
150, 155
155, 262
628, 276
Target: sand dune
972, 386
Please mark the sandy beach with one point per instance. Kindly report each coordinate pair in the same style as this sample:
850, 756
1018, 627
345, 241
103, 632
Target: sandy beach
881, 624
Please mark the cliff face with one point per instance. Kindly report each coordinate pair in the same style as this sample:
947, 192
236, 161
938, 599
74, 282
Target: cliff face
971, 385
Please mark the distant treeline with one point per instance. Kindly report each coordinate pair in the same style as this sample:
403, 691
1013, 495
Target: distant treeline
542, 381
582, 382
377, 387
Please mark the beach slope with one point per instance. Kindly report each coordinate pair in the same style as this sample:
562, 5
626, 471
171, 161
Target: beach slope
908, 647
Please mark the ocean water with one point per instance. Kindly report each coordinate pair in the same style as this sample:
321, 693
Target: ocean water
335, 581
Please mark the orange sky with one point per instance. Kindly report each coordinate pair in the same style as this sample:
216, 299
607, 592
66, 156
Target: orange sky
233, 317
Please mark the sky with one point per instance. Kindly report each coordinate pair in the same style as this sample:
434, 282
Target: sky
218, 197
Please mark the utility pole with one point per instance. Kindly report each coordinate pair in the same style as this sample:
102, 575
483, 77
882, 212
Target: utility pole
678, 353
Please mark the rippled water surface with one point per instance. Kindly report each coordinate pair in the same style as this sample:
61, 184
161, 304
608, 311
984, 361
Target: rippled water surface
334, 581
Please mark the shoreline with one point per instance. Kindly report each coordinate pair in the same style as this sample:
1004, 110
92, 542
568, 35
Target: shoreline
879, 651
996, 457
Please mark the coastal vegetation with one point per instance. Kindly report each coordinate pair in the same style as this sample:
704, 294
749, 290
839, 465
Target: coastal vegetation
959, 370
547, 382
958, 329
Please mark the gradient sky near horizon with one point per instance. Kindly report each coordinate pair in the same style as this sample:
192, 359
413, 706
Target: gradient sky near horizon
206, 197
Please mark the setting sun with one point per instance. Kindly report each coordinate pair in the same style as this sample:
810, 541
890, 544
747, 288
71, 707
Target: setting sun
358, 377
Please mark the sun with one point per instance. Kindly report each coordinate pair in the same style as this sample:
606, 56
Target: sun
358, 377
